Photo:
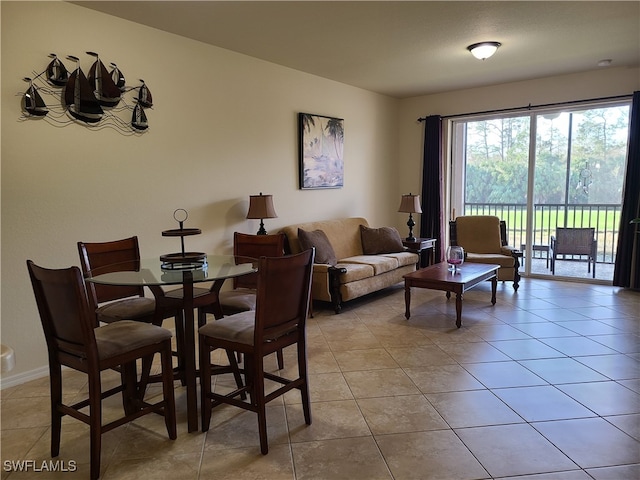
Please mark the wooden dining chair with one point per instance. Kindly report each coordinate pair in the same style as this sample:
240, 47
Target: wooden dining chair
242, 297
279, 320
112, 303
74, 341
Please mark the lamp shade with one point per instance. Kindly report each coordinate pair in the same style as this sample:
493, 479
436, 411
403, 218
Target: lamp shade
261, 206
483, 50
410, 204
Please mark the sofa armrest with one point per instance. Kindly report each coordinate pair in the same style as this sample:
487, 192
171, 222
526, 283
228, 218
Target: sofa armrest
511, 251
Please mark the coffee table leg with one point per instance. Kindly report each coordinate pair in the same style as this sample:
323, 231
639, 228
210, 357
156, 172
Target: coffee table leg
458, 309
407, 300
494, 285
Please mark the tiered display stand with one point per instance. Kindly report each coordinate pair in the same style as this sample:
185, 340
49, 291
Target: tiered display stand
182, 260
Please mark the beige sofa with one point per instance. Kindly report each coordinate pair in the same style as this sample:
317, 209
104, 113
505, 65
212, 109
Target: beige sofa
355, 273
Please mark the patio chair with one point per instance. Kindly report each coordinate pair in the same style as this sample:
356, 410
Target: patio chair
574, 241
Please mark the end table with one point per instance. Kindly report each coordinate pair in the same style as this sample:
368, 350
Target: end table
420, 246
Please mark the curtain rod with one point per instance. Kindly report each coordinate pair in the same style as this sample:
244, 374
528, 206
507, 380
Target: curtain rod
531, 107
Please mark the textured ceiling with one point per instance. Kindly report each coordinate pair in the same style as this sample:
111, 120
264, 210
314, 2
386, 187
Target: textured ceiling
404, 49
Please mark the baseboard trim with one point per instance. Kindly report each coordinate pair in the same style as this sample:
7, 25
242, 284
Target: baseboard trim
20, 378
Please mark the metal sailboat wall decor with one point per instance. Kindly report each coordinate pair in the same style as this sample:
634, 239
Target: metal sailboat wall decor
104, 88
57, 73
144, 96
79, 97
139, 118
96, 100
33, 102
117, 77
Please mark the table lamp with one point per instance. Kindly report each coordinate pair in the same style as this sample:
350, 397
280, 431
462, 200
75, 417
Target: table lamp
261, 207
410, 204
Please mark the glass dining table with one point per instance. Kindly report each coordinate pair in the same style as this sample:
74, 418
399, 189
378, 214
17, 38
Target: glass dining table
157, 276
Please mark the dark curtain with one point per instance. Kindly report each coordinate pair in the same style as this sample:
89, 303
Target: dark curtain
627, 268
432, 220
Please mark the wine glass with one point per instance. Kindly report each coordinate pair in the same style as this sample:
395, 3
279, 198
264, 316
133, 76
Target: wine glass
455, 257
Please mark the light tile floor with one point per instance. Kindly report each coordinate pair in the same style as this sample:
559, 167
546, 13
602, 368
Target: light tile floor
543, 385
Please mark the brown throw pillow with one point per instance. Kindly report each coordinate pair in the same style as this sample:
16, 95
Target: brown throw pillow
380, 240
319, 240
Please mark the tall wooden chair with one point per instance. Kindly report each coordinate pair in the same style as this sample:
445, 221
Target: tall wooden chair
574, 241
74, 341
279, 320
113, 303
242, 297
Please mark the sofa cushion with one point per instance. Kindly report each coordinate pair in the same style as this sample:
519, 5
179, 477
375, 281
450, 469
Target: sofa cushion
319, 240
355, 272
380, 240
404, 258
379, 263
343, 234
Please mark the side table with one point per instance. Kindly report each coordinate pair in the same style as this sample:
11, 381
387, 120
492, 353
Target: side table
420, 246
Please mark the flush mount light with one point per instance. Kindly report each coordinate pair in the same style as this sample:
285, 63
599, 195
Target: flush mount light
483, 50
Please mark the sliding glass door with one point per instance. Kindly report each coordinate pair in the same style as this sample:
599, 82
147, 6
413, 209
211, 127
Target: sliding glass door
541, 171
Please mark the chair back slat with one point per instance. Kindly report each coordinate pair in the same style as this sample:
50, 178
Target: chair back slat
107, 257
65, 314
574, 241
282, 301
255, 246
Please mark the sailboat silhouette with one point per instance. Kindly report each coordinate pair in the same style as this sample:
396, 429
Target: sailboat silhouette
33, 102
79, 97
57, 73
104, 88
144, 96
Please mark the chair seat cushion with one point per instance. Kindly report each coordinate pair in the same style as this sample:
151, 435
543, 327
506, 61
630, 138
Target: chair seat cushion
134, 308
239, 300
237, 328
503, 260
127, 335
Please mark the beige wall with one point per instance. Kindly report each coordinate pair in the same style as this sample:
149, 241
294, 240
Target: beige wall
223, 127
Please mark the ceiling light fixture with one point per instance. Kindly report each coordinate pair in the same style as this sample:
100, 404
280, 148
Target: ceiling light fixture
483, 50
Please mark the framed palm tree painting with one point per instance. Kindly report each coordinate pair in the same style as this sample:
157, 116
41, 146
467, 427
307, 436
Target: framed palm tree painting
321, 151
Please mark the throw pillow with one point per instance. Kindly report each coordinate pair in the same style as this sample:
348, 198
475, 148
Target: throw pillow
380, 240
319, 240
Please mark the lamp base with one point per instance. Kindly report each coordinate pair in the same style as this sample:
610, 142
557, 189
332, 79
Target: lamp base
262, 231
411, 224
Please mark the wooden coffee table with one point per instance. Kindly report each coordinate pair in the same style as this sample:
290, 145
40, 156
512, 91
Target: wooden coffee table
438, 277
